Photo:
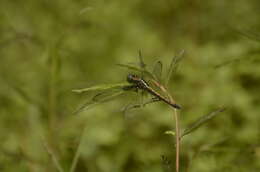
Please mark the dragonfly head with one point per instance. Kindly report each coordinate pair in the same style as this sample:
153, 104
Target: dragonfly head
131, 78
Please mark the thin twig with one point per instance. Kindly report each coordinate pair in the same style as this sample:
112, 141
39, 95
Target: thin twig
77, 154
177, 127
177, 136
177, 140
52, 155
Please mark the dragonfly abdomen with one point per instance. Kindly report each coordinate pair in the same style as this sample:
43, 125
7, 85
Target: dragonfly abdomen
154, 93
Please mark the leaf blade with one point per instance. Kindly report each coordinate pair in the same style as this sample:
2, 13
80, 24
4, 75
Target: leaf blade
173, 66
202, 120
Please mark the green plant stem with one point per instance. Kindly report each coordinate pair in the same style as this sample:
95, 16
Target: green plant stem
177, 140
177, 134
53, 157
177, 127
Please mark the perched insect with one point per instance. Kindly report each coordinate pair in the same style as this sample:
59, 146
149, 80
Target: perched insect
134, 83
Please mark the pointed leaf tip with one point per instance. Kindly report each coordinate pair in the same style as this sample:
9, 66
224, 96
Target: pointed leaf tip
202, 120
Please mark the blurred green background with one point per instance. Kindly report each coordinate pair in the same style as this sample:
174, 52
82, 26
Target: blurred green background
48, 48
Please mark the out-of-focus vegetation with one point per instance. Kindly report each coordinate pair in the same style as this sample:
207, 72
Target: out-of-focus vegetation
48, 48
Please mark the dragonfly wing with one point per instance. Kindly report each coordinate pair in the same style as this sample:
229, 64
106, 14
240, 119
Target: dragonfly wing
84, 106
147, 72
173, 66
141, 60
157, 70
137, 69
99, 99
107, 95
139, 105
249, 34
141, 67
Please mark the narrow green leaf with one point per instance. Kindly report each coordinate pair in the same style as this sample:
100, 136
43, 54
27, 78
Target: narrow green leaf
169, 132
102, 87
202, 120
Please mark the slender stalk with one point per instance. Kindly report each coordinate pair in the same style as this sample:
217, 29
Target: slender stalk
53, 157
177, 127
177, 140
177, 136
77, 154
53, 89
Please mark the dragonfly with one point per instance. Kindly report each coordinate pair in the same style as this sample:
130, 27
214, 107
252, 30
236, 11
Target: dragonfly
135, 83
140, 83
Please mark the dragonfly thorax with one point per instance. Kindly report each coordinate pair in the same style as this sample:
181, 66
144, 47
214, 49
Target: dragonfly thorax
138, 81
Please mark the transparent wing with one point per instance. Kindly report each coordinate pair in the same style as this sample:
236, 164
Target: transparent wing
250, 34
107, 95
138, 69
84, 106
142, 65
139, 105
173, 66
99, 99
157, 70
141, 60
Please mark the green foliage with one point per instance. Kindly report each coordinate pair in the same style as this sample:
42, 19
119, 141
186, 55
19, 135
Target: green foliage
48, 48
